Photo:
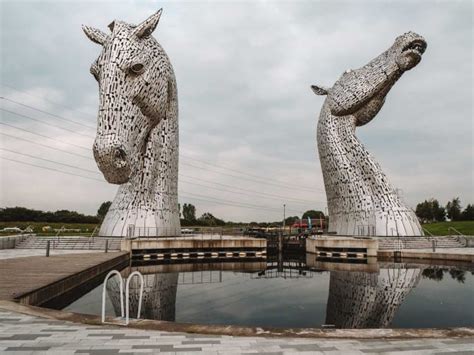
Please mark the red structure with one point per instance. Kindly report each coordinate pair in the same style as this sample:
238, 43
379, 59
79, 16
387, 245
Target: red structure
315, 223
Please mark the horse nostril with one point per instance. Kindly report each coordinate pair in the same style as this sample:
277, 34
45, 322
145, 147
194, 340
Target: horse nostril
120, 156
120, 153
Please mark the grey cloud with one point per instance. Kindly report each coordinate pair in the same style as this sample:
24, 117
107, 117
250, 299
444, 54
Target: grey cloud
244, 71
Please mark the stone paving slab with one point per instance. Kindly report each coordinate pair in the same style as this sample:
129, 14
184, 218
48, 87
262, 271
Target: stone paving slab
27, 334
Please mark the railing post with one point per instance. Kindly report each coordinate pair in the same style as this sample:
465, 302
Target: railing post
47, 248
433, 244
106, 245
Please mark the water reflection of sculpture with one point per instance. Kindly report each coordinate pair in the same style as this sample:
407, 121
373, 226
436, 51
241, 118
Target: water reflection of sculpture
159, 296
360, 199
369, 300
136, 145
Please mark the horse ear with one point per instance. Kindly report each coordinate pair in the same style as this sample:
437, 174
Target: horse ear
95, 35
146, 28
320, 90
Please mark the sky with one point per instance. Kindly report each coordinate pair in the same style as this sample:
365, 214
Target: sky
247, 114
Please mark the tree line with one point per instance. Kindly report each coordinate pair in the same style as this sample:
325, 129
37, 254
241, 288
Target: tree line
427, 211
431, 211
22, 214
187, 215
188, 218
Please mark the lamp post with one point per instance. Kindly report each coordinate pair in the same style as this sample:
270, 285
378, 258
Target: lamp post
284, 215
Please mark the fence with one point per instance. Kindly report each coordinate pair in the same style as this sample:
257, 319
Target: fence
165, 232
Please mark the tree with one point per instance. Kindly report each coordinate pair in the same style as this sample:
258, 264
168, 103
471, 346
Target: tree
423, 211
453, 209
433, 273
103, 209
468, 213
430, 211
189, 212
291, 220
439, 212
313, 214
22, 214
209, 220
458, 275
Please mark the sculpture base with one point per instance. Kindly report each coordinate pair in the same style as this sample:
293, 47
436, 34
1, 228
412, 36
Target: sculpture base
348, 248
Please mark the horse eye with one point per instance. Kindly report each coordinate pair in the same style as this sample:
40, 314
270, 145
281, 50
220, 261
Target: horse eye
137, 68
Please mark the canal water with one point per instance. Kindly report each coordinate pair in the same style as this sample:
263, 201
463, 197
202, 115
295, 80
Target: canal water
290, 293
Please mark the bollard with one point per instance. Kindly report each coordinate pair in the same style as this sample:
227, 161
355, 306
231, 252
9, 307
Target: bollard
106, 245
433, 243
47, 248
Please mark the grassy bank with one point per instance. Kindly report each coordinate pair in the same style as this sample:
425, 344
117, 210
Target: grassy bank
85, 228
442, 228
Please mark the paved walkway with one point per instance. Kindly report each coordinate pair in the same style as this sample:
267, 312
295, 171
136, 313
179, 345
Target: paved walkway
25, 334
21, 253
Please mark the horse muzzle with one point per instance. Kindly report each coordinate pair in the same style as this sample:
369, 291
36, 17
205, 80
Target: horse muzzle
112, 160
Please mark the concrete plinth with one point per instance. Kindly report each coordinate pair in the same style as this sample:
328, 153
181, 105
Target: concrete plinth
369, 265
342, 247
195, 247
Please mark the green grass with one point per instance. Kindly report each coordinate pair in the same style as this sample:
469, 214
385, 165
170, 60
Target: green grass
441, 228
86, 228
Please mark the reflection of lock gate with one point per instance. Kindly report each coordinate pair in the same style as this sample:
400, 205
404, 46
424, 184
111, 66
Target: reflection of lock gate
127, 294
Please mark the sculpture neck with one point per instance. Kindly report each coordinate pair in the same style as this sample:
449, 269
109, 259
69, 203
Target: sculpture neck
148, 203
360, 199
156, 178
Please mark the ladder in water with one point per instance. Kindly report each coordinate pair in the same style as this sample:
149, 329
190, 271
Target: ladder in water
127, 294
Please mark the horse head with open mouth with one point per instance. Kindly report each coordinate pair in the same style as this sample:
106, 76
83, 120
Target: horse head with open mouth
360, 199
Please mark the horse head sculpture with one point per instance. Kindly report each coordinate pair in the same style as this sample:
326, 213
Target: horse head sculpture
360, 199
136, 145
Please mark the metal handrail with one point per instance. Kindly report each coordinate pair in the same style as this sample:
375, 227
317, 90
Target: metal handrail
431, 238
56, 240
427, 231
127, 295
104, 291
456, 231
93, 235
459, 236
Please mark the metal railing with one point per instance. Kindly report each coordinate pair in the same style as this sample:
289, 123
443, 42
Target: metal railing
151, 232
175, 232
127, 294
104, 292
460, 237
93, 234
455, 231
200, 277
427, 232
56, 240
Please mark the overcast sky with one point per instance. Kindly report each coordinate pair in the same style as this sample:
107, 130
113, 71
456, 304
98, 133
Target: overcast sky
244, 71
